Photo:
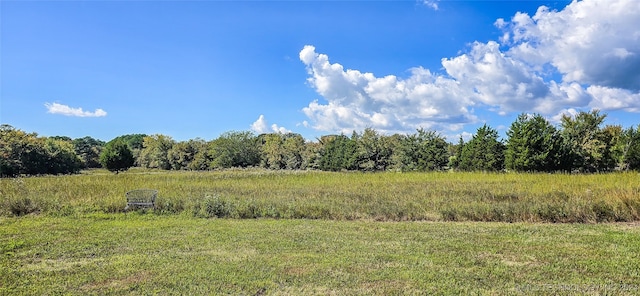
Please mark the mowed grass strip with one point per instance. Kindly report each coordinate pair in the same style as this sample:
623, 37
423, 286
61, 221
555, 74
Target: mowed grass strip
147, 254
388, 196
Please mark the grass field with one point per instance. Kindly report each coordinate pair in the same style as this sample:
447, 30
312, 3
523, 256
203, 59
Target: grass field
145, 254
319, 233
338, 196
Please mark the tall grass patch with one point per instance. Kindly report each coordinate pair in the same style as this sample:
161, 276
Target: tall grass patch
388, 196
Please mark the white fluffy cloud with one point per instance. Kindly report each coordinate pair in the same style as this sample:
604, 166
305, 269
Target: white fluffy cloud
606, 98
357, 100
593, 45
589, 42
498, 80
55, 108
261, 126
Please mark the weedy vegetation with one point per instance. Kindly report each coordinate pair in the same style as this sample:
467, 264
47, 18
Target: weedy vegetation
389, 196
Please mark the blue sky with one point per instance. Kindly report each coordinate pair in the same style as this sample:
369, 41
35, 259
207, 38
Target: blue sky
191, 69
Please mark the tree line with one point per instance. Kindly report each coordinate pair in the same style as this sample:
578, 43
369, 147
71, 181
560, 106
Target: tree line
579, 143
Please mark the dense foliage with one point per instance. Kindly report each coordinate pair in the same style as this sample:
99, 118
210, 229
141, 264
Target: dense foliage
484, 152
88, 149
533, 145
27, 154
117, 156
579, 143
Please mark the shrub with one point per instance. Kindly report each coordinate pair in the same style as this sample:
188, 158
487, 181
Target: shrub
117, 156
212, 206
22, 206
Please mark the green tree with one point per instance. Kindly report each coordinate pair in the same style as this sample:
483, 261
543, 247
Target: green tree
338, 153
61, 157
182, 154
88, 149
272, 151
311, 155
201, 160
155, 151
628, 148
588, 147
422, 151
484, 152
116, 156
282, 151
12, 142
373, 151
613, 135
21, 152
234, 149
135, 143
293, 148
61, 138
24, 153
533, 144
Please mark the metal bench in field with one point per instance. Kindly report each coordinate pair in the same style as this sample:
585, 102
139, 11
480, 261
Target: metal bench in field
141, 198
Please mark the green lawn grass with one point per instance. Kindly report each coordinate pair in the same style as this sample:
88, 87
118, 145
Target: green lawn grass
138, 253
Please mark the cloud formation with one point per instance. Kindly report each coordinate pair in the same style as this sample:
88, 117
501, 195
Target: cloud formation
433, 4
357, 100
261, 126
55, 108
589, 42
592, 45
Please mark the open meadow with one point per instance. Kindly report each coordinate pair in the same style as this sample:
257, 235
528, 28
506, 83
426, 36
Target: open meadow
390, 196
306, 233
